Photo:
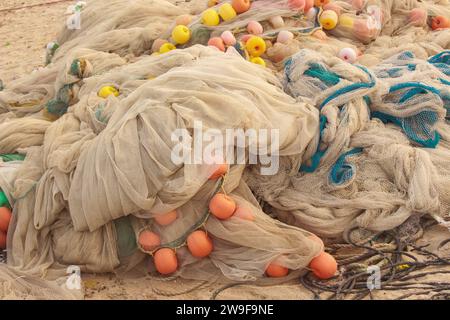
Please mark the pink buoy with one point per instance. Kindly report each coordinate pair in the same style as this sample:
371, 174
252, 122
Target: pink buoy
228, 38
217, 42
285, 36
308, 5
297, 4
277, 22
418, 17
361, 30
254, 27
246, 37
348, 54
358, 4
184, 20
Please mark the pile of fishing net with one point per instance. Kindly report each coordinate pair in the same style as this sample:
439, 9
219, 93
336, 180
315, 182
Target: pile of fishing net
360, 145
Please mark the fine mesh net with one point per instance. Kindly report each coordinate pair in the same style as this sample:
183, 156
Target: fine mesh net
364, 144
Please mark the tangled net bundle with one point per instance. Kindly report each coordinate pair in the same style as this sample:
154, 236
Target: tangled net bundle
362, 146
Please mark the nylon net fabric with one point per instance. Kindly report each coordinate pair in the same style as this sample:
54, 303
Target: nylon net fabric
360, 145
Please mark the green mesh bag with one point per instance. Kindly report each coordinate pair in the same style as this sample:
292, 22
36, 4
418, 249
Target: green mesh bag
4, 200
126, 238
12, 157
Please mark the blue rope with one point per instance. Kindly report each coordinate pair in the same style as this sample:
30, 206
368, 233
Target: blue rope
319, 72
350, 88
442, 62
315, 160
330, 79
413, 84
443, 57
342, 171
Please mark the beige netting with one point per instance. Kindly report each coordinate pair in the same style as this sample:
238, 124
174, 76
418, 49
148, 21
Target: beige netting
98, 170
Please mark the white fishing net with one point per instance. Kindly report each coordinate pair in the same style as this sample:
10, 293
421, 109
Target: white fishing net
363, 144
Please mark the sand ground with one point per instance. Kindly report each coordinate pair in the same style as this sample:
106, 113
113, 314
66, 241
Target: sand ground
24, 34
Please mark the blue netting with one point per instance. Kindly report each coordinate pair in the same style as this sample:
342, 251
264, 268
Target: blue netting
328, 79
350, 88
404, 63
315, 160
445, 96
442, 62
343, 171
288, 69
419, 127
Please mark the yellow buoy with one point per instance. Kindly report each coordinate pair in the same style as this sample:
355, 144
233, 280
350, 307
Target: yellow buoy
258, 60
210, 17
181, 34
166, 47
227, 12
256, 46
329, 19
106, 91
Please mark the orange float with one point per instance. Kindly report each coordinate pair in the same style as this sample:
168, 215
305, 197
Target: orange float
220, 171
217, 42
5, 218
222, 206
440, 22
240, 6
149, 240
166, 261
274, 270
200, 244
167, 218
324, 266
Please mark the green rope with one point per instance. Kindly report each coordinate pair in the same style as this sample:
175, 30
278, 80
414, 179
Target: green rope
12, 157
4, 200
